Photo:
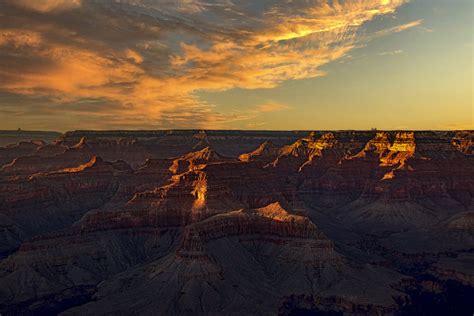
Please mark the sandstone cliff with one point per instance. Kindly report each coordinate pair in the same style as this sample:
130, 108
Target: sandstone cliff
222, 222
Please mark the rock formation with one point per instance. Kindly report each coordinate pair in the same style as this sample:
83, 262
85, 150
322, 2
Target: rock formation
237, 222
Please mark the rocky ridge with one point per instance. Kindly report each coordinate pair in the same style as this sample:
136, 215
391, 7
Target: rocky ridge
229, 221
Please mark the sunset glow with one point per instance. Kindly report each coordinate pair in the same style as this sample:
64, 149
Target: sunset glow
140, 64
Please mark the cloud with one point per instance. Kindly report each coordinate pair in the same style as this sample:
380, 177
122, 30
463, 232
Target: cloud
395, 29
406, 26
48, 5
256, 124
19, 38
271, 107
391, 53
145, 61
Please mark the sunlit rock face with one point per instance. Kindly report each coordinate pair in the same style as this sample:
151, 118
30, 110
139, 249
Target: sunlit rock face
226, 222
270, 224
196, 160
391, 153
464, 142
266, 152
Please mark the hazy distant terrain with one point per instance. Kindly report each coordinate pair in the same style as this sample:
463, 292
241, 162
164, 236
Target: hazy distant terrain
12, 137
193, 222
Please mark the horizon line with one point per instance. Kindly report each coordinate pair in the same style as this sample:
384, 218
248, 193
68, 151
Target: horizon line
233, 130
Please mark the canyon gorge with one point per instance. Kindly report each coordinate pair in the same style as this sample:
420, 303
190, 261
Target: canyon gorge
197, 222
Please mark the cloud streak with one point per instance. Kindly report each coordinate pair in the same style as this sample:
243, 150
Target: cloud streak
391, 53
48, 5
145, 60
272, 107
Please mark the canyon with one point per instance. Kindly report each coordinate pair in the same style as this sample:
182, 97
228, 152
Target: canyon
198, 222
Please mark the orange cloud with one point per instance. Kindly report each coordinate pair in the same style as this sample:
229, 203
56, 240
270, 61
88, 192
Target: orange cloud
48, 5
272, 107
178, 50
396, 29
74, 73
19, 38
134, 56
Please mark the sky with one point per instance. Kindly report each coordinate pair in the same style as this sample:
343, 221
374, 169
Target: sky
236, 64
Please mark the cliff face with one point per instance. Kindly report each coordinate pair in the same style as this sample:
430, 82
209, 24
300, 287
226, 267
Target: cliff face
269, 224
52, 200
266, 152
246, 222
196, 160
